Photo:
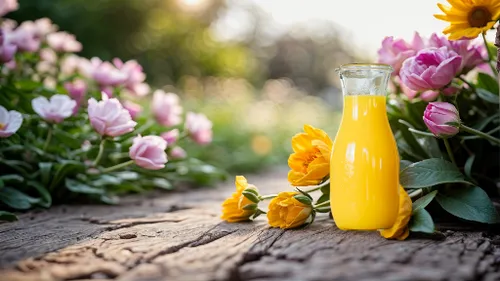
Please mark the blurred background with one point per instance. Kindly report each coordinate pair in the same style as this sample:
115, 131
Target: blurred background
259, 69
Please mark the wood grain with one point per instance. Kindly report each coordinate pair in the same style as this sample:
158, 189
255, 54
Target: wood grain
179, 236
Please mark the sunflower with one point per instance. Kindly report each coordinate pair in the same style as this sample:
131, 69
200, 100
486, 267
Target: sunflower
469, 18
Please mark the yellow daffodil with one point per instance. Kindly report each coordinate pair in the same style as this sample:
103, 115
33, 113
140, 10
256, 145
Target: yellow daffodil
469, 18
287, 212
310, 162
236, 208
400, 229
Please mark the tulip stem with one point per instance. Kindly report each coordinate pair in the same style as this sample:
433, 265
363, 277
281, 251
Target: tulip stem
99, 154
49, 138
118, 166
269, 196
415, 193
450, 152
490, 56
317, 187
322, 204
420, 132
480, 134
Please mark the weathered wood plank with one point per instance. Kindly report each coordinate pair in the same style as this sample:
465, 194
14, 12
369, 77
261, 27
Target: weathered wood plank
157, 241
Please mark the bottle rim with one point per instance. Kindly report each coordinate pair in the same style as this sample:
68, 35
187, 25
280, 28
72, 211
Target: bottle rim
364, 66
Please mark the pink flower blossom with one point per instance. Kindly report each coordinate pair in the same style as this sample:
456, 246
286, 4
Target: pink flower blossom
48, 55
430, 69
44, 26
10, 122
177, 153
171, 136
395, 51
76, 90
438, 116
166, 108
7, 6
54, 110
109, 118
104, 73
26, 37
7, 48
63, 42
199, 128
149, 152
135, 76
472, 54
133, 108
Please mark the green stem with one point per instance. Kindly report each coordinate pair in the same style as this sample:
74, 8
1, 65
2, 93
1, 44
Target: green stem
116, 167
100, 153
269, 196
481, 134
490, 56
416, 193
322, 204
316, 187
49, 138
450, 152
421, 132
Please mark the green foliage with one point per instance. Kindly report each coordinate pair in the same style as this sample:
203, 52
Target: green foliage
421, 221
430, 172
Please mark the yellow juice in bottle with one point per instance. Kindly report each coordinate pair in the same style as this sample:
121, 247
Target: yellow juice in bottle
364, 170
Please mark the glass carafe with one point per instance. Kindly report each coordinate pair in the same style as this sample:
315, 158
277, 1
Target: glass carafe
364, 170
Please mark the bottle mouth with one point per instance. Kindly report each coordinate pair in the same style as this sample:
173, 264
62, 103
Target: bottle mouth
364, 67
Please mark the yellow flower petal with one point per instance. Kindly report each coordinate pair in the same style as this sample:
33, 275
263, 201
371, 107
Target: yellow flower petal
232, 207
400, 228
287, 212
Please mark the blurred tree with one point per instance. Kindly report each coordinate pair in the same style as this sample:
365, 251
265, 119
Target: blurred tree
170, 38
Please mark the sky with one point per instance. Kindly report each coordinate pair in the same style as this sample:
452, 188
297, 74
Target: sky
367, 21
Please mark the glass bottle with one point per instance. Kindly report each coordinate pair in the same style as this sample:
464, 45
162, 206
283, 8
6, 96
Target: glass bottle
364, 170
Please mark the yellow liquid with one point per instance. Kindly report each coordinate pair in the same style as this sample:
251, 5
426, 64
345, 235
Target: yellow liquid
364, 170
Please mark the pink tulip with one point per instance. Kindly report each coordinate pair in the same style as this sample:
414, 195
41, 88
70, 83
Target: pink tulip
26, 37
109, 118
135, 76
429, 95
149, 152
7, 48
166, 108
430, 69
171, 136
63, 42
76, 90
10, 122
442, 119
133, 108
199, 128
472, 54
54, 110
7, 6
177, 153
408, 92
104, 73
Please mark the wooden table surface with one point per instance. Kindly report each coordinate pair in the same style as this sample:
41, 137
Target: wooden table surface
179, 236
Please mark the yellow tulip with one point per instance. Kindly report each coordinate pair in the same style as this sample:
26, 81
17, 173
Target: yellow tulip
400, 229
287, 212
233, 208
310, 162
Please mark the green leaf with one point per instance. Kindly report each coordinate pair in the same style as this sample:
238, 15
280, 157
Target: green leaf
45, 168
422, 202
103, 180
323, 198
302, 199
487, 82
421, 221
63, 169
485, 121
162, 183
127, 175
469, 203
411, 140
16, 199
111, 200
323, 210
7, 216
79, 187
430, 172
250, 207
46, 199
468, 165
67, 138
403, 164
11, 178
488, 96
